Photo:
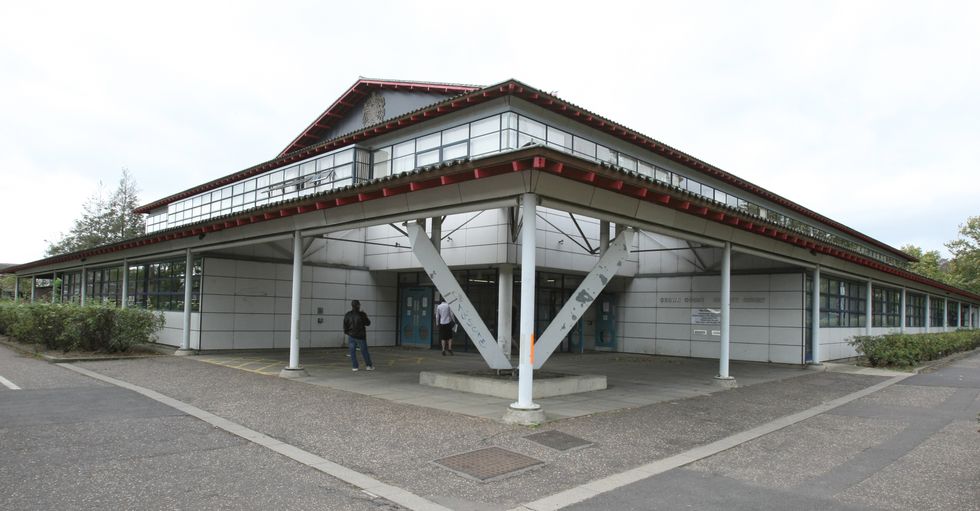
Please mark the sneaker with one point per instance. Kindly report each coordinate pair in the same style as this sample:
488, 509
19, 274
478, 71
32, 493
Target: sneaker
370, 368
444, 353
354, 369
451, 353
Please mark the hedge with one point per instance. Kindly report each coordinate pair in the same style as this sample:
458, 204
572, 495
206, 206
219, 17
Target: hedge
70, 327
904, 350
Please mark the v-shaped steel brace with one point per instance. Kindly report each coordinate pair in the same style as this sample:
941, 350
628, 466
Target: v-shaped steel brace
584, 295
437, 270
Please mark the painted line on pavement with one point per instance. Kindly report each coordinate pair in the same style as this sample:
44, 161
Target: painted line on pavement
616, 481
364, 482
9, 384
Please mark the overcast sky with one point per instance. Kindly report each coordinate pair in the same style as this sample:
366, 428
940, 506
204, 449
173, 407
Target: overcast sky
866, 112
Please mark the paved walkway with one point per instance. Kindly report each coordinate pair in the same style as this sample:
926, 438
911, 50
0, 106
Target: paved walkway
633, 380
790, 427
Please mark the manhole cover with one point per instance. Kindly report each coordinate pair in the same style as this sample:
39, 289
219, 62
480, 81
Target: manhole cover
488, 464
558, 440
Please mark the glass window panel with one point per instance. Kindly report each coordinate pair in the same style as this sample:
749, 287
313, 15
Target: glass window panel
509, 121
454, 151
226, 192
383, 154
249, 197
249, 185
346, 156
288, 174
532, 128
663, 176
427, 142
509, 139
605, 154
403, 149
326, 162
197, 201
645, 169
559, 138
427, 158
304, 170
523, 140
626, 162
456, 134
485, 144
402, 164
583, 146
382, 169
343, 172
485, 126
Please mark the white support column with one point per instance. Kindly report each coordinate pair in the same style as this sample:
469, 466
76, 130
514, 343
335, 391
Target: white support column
33, 288
294, 370
54, 287
603, 236
959, 315
185, 340
945, 314
16, 288
815, 318
81, 300
124, 295
505, 303
902, 306
868, 295
525, 411
928, 313
723, 377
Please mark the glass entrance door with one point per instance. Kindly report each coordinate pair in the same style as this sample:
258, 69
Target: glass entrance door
416, 316
605, 321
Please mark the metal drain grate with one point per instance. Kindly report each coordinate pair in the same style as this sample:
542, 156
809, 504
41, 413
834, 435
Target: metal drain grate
558, 440
488, 464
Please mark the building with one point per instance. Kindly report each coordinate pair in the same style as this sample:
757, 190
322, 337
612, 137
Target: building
401, 191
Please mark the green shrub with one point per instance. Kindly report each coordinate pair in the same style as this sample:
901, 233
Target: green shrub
69, 327
904, 350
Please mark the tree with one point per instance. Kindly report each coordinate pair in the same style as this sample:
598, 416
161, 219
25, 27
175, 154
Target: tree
964, 268
104, 220
930, 264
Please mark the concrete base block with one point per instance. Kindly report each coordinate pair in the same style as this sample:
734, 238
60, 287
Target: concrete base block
523, 416
544, 387
728, 382
183, 352
298, 372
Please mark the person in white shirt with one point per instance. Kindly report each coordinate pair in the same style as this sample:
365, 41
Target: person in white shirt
444, 317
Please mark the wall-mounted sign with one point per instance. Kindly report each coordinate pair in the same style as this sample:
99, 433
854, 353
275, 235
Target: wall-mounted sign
705, 317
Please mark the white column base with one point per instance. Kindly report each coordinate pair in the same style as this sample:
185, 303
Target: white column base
725, 381
524, 416
289, 373
181, 352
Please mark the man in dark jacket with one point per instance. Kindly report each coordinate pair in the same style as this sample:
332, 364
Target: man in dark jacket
355, 328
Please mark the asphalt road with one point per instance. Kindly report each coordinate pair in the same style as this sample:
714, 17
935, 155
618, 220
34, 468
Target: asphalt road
912, 446
71, 442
